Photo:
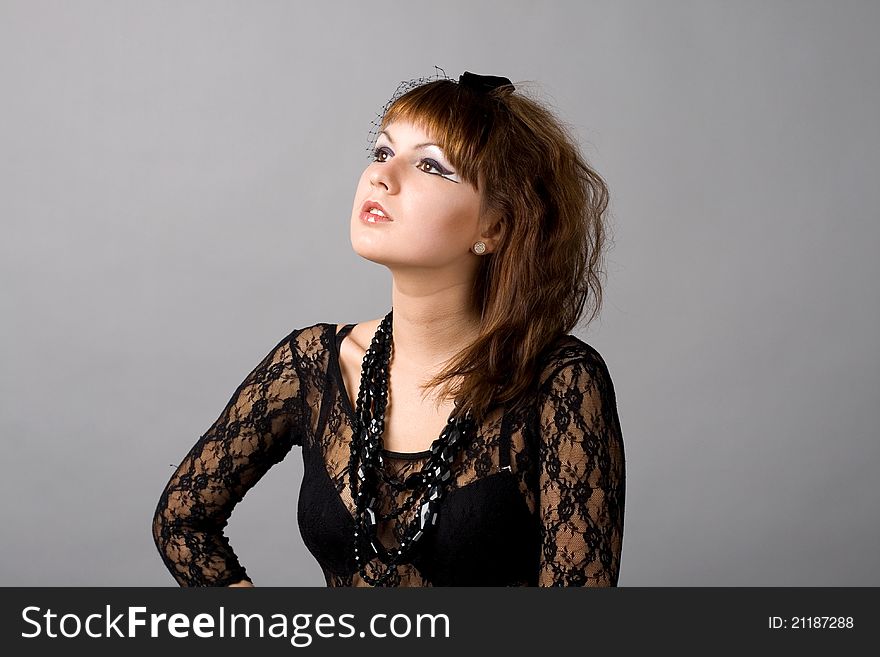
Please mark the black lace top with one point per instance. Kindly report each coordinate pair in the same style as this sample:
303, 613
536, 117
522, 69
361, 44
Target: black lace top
537, 499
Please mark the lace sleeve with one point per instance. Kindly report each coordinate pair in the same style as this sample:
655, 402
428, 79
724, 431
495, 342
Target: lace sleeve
582, 477
257, 428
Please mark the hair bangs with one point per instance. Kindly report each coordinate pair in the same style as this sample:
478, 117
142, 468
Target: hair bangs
452, 117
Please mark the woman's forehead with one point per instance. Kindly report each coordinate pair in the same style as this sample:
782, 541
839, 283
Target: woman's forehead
405, 128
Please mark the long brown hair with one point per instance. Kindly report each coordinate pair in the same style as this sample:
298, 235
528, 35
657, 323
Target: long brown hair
545, 271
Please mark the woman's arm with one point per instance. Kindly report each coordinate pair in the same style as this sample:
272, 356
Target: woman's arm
582, 476
257, 428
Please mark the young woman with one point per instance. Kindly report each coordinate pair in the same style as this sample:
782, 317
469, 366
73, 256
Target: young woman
464, 439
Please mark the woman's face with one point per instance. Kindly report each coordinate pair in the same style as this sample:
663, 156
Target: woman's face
432, 215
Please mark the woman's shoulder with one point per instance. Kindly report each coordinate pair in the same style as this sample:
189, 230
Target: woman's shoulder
567, 353
307, 340
304, 331
569, 347
318, 337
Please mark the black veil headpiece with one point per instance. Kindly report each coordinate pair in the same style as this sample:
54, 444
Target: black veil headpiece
480, 83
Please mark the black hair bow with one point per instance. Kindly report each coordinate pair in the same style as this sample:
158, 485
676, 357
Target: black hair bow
482, 83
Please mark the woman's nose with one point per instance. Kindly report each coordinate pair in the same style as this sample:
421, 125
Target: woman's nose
383, 176
377, 179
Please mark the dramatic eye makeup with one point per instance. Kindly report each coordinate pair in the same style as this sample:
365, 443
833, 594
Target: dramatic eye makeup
426, 164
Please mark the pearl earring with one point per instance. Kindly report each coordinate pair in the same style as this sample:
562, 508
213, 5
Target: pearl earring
479, 248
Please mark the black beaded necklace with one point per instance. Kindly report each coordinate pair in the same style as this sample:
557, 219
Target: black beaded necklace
366, 465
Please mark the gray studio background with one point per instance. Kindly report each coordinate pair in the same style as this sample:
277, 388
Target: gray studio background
176, 183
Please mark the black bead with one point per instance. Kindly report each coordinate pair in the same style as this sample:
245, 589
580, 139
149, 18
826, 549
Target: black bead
424, 515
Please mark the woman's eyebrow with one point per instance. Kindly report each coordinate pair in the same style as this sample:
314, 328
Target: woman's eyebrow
422, 145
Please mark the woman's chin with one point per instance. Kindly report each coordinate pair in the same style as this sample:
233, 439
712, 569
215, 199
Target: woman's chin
370, 252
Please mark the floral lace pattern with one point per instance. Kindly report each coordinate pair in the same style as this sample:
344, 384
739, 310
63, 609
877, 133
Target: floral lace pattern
536, 499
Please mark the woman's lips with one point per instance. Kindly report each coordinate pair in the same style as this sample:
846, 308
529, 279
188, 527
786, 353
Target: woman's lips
373, 218
370, 218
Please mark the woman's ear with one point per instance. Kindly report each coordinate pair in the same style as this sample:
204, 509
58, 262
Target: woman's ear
492, 227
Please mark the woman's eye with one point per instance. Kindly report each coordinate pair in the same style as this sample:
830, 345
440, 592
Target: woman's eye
431, 164
378, 153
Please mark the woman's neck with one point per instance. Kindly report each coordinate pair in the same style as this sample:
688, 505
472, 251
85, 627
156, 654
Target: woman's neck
431, 323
